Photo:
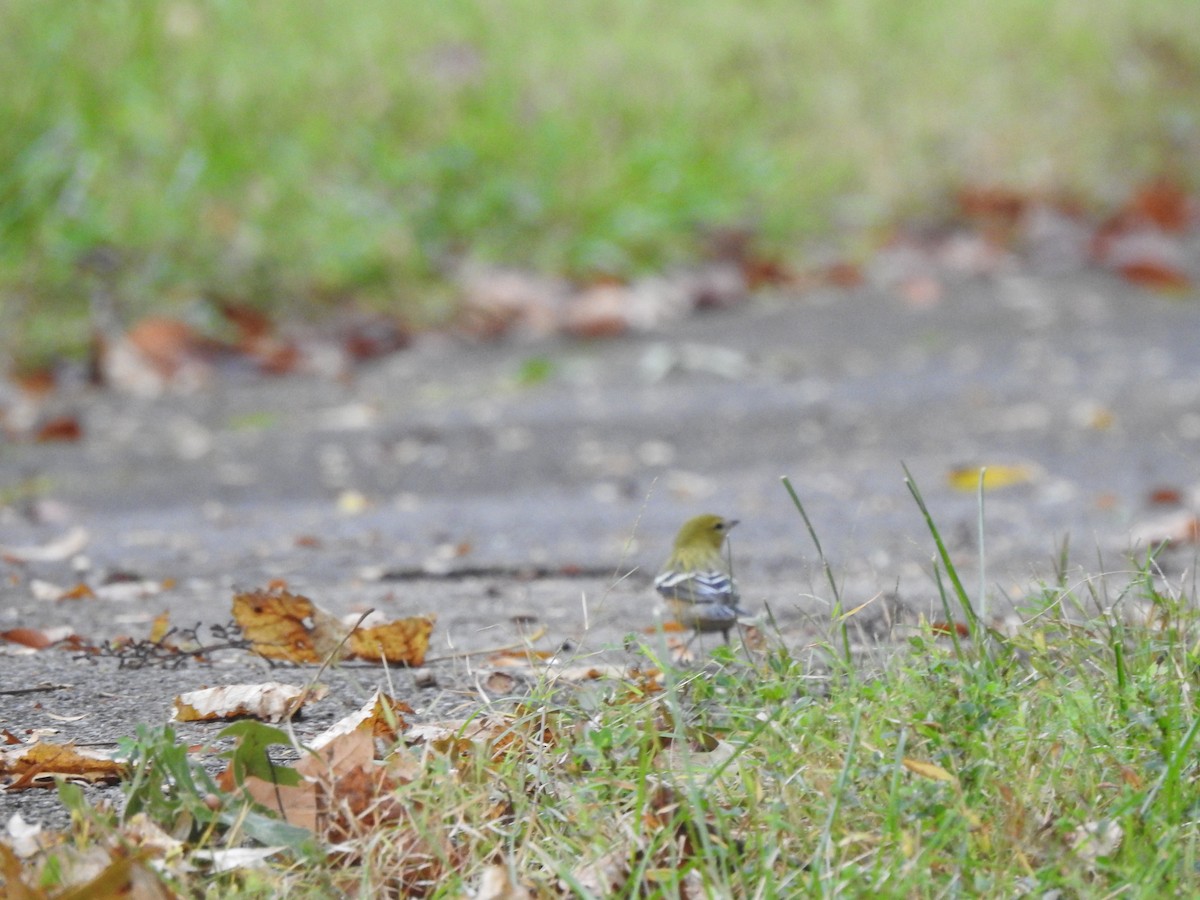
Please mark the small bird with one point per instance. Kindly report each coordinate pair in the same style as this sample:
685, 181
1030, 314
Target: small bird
696, 580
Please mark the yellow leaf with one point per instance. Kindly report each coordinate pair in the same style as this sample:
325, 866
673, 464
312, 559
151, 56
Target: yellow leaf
928, 770
283, 625
402, 642
159, 627
966, 478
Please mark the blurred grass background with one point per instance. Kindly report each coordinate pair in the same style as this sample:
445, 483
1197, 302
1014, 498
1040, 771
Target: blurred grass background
298, 154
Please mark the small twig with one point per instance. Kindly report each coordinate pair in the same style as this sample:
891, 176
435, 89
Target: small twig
329, 658
35, 690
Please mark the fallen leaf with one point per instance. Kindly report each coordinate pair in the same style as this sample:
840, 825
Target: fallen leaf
227, 859
497, 883
1162, 202
843, 275
1165, 496
287, 626
599, 312
271, 701
369, 337
165, 343
381, 716
60, 429
950, 628
159, 627
129, 591
1182, 527
26, 839
1155, 275
500, 683
966, 478
39, 764
401, 642
145, 834
929, 770
999, 205
1092, 840
27, 637
520, 659
80, 592
60, 548
78, 717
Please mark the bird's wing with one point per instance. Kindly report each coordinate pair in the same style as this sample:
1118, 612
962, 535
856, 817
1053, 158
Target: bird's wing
712, 586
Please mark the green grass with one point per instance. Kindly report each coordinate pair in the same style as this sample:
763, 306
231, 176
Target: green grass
1059, 756
300, 153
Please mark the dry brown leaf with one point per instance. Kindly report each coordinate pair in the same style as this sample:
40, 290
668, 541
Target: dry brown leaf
401, 642
1165, 496
271, 701
340, 755
1156, 275
947, 629
96, 873
60, 429
513, 658
499, 683
344, 792
27, 637
38, 765
497, 883
297, 804
381, 716
992, 205
80, 592
1162, 202
144, 833
287, 626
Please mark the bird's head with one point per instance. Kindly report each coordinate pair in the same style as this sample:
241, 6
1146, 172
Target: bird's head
704, 531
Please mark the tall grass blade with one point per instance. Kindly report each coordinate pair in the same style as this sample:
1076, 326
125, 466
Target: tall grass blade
812, 533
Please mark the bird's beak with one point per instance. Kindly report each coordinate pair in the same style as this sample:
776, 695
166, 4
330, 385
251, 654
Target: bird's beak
730, 523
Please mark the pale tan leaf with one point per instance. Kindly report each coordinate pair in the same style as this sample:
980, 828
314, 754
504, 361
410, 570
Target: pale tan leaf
928, 770
380, 716
271, 701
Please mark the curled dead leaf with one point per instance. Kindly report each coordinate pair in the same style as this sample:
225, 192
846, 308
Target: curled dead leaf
41, 763
271, 701
380, 716
402, 642
287, 626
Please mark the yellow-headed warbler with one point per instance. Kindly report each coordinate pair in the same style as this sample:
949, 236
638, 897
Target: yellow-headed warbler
696, 581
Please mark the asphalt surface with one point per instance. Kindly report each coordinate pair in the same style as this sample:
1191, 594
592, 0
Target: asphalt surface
445, 479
